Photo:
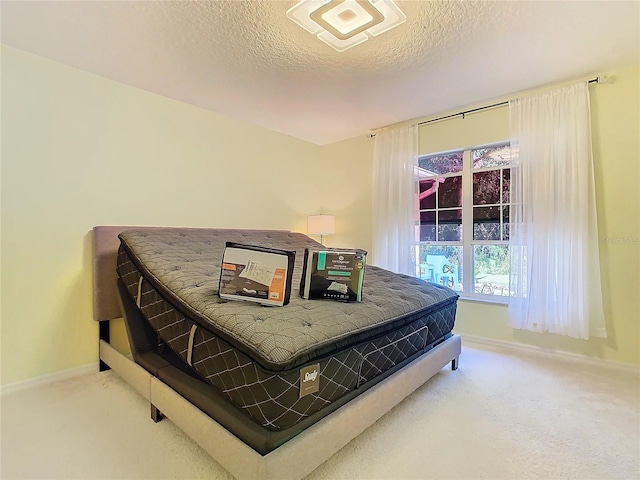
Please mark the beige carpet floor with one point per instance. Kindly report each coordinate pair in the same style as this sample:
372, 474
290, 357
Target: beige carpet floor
501, 415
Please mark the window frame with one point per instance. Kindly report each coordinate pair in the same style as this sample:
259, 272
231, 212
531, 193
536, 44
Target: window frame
467, 243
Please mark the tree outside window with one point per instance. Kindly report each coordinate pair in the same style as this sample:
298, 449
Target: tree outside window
462, 228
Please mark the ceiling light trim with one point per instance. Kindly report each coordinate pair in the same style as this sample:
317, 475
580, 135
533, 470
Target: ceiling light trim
343, 24
330, 12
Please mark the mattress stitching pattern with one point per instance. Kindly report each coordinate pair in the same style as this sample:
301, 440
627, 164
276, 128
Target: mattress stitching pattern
271, 398
278, 337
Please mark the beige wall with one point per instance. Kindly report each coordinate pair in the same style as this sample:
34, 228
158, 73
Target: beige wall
349, 169
79, 150
616, 129
480, 128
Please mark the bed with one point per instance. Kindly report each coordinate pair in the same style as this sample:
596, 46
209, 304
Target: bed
230, 374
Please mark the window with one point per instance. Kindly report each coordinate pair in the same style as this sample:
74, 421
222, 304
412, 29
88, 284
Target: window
463, 228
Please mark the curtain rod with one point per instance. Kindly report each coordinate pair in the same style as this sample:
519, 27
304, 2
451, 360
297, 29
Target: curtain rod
599, 79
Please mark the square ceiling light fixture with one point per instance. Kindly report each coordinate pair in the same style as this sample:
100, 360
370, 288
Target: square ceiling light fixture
343, 24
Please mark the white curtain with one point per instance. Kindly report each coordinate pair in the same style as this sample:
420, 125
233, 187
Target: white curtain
394, 201
555, 270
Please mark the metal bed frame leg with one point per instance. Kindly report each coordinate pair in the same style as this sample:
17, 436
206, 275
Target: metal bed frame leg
105, 334
156, 415
454, 364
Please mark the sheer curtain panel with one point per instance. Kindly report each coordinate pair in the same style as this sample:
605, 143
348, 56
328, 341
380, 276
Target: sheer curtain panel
555, 267
394, 199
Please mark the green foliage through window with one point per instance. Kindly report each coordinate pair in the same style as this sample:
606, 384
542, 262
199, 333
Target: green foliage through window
472, 188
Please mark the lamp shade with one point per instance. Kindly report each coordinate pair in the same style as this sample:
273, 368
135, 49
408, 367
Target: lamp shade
321, 225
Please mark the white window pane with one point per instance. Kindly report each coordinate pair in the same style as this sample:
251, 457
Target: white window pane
441, 265
498, 156
486, 223
433, 165
491, 269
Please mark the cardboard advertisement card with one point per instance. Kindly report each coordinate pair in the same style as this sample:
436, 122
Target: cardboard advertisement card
256, 274
336, 274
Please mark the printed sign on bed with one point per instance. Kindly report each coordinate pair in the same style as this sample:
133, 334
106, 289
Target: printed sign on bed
335, 274
309, 379
257, 274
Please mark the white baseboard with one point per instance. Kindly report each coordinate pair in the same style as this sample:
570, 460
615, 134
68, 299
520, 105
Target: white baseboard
490, 342
49, 378
467, 339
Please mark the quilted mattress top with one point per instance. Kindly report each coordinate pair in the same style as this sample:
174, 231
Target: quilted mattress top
184, 265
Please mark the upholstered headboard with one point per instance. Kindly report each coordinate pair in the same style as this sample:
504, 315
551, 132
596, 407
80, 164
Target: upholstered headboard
105, 253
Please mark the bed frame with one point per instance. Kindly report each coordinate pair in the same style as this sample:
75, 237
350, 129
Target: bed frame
314, 445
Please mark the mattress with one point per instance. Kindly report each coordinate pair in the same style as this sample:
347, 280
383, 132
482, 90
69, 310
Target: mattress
253, 355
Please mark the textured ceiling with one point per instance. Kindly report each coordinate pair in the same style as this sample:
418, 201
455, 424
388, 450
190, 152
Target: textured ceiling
246, 60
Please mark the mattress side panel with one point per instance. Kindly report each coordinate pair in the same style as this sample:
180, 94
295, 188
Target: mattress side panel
272, 399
